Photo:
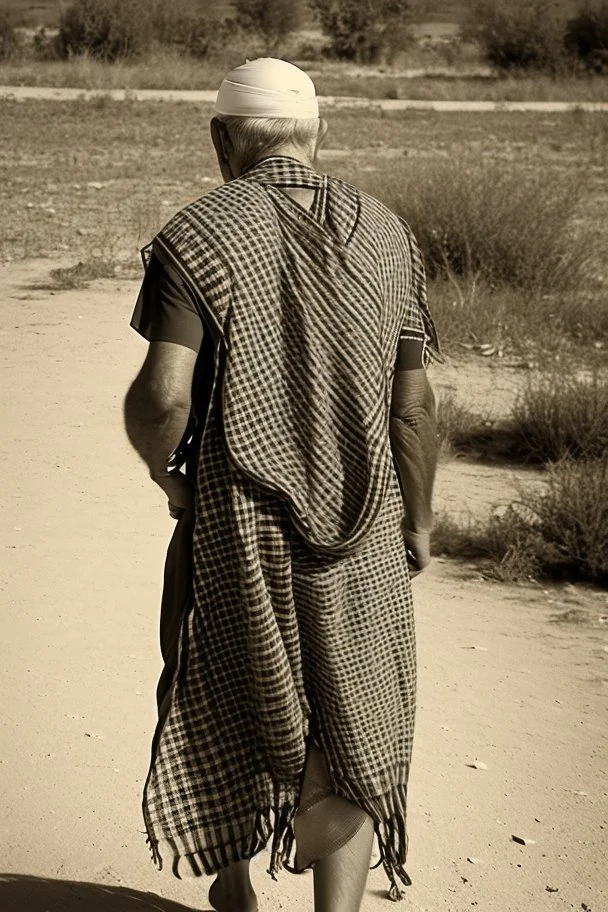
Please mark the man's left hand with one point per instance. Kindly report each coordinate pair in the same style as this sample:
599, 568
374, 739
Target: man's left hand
179, 490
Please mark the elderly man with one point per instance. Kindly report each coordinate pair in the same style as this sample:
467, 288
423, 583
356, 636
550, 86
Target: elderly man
283, 407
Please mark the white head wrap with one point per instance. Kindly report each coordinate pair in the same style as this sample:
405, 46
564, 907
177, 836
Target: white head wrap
267, 88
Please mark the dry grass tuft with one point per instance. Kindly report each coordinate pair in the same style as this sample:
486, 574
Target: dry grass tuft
83, 273
456, 425
561, 416
500, 222
559, 533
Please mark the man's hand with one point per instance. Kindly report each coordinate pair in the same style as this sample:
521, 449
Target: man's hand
179, 490
418, 545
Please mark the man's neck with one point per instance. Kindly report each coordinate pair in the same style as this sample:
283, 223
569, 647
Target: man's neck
290, 152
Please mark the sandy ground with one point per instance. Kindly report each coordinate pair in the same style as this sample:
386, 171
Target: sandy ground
84, 534
48, 93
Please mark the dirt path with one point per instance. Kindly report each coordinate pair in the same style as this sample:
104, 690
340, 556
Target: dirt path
23, 93
84, 533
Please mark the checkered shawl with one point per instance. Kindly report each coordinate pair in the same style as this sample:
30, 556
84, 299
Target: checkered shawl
301, 623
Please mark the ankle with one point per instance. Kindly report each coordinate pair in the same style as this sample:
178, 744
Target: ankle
228, 894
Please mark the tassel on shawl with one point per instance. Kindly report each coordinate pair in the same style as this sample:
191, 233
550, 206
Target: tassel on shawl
282, 840
392, 843
156, 856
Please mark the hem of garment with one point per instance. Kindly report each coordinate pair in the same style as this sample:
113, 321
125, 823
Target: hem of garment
205, 861
208, 860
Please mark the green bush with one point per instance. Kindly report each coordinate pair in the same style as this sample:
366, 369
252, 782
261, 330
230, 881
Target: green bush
587, 36
364, 30
272, 20
10, 45
561, 416
560, 532
520, 35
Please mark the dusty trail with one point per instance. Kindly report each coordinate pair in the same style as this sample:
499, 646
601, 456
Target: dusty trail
83, 536
47, 93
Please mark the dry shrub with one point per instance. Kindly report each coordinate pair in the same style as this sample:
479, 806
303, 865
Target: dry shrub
559, 416
520, 35
365, 31
572, 518
559, 533
10, 45
497, 221
587, 35
272, 20
107, 29
113, 30
456, 424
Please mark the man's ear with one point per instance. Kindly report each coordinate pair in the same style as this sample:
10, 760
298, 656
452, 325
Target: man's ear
323, 127
221, 144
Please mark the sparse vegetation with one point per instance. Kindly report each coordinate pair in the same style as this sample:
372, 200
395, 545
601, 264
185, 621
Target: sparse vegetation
108, 29
507, 247
83, 273
561, 416
521, 35
456, 424
10, 45
364, 30
500, 222
272, 20
560, 532
116, 30
587, 35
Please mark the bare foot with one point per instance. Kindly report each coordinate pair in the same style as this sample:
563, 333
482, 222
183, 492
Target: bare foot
231, 900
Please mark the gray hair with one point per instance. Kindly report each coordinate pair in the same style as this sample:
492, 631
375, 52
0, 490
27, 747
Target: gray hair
254, 138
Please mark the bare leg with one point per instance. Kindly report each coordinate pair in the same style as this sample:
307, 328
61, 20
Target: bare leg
232, 890
340, 878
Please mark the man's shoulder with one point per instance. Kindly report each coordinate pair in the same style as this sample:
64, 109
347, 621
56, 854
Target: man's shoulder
370, 204
223, 197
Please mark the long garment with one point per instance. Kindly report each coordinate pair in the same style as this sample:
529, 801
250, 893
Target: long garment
298, 625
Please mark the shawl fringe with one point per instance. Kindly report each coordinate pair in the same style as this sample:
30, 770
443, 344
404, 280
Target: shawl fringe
392, 843
207, 861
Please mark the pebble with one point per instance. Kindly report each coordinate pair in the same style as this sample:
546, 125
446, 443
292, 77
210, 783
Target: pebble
523, 840
478, 765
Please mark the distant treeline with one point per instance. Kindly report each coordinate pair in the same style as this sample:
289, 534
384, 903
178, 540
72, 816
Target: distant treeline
533, 35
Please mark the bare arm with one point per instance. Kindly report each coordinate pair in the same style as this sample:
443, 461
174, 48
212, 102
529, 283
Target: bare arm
413, 437
156, 412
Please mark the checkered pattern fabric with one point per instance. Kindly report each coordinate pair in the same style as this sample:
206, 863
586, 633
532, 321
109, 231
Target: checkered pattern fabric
301, 623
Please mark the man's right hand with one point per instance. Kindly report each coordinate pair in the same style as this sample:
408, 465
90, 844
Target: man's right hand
419, 545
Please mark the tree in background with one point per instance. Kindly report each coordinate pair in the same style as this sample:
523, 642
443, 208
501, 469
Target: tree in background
364, 30
523, 35
272, 20
10, 45
115, 29
587, 36
108, 29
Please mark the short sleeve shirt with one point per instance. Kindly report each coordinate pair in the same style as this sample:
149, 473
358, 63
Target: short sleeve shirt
165, 311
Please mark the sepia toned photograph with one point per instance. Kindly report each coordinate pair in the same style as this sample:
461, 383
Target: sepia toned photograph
305, 409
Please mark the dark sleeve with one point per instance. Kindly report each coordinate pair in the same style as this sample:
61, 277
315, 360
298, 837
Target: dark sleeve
165, 311
410, 353
418, 332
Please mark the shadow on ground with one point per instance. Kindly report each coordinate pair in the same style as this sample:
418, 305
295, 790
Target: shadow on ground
19, 893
